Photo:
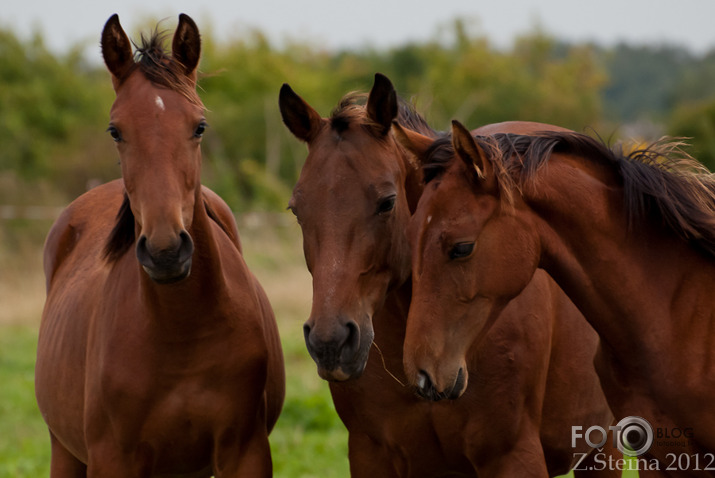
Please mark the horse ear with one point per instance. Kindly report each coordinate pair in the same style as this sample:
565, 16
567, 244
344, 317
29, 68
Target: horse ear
472, 154
412, 141
382, 103
116, 50
186, 45
300, 118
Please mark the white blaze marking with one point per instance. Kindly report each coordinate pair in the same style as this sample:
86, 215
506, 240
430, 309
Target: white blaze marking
159, 103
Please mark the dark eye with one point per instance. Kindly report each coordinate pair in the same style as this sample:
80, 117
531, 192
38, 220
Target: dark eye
114, 133
200, 129
461, 249
386, 204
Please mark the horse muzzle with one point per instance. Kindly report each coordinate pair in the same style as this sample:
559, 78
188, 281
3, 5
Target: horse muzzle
427, 389
169, 264
340, 352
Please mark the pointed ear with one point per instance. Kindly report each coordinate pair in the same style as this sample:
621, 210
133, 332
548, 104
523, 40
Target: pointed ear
186, 45
382, 103
116, 50
412, 141
300, 118
469, 151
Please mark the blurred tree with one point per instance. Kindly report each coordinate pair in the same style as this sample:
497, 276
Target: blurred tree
54, 108
696, 123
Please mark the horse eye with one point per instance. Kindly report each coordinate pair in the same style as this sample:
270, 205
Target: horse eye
461, 249
200, 129
114, 133
386, 204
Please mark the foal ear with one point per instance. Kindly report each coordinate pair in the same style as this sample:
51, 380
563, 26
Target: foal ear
186, 45
382, 103
300, 118
412, 141
472, 154
116, 50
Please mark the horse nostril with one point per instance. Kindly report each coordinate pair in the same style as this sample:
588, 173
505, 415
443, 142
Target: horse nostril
306, 334
186, 246
352, 340
423, 380
143, 253
459, 384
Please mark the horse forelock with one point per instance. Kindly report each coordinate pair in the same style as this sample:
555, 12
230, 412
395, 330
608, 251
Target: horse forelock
441, 155
351, 110
161, 69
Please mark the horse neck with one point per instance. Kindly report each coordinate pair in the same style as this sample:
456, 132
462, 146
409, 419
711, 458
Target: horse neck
624, 280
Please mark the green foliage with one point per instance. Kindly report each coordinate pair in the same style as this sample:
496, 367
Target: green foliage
696, 122
54, 108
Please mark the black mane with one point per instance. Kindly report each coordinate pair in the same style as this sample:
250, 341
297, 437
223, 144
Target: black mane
660, 182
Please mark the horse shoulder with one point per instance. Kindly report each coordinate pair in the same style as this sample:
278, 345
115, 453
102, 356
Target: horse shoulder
222, 215
86, 221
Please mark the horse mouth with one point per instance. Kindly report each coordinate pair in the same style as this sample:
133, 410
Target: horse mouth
342, 373
427, 390
169, 275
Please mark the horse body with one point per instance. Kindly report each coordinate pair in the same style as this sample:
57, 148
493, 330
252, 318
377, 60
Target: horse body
156, 365
659, 366
353, 201
641, 277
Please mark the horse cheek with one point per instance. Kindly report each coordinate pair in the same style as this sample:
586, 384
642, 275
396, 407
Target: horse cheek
510, 259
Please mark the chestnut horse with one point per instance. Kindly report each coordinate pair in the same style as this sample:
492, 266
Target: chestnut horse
158, 352
631, 239
353, 201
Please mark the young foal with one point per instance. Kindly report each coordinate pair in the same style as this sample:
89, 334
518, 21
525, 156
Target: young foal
353, 201
630, 239
158, 352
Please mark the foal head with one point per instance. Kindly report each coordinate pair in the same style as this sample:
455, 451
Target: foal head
157, 121
352, 201
472, 252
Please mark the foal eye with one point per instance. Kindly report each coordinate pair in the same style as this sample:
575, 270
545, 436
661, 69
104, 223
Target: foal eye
114, 133
461, 249
386, 204
200, 129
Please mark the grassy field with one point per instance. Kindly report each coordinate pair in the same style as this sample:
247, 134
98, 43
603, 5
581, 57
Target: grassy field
309, 439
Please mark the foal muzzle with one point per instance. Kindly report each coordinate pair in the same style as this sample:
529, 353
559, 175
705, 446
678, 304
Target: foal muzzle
167, 265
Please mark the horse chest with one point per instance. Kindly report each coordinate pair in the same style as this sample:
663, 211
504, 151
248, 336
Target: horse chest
171, 418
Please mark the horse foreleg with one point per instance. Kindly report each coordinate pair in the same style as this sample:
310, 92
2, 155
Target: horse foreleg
64, 464
524, 459
368, 459
237, 458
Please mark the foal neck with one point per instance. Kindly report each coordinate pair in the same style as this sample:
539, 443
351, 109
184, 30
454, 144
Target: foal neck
624, 279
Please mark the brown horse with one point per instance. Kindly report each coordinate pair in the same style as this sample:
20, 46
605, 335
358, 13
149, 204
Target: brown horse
353, 201
158, 352
631, 239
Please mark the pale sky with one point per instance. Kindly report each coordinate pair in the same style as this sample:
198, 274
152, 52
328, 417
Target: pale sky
379, 23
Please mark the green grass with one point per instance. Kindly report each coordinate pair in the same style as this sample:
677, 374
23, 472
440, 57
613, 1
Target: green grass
24, 441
